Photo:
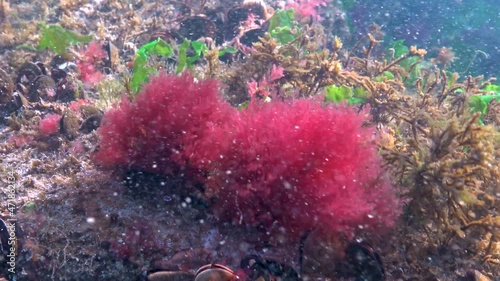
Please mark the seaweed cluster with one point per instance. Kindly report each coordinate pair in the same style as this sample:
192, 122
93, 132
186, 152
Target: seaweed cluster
441, 150
285, 167
436, 134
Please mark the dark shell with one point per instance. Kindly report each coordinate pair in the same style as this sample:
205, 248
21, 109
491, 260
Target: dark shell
90, 124
43, 87
6, 87
70, 124
89, 110
22, 89
362, 262
252, 36
113, 58
52, 143
258, 268
67, 90
29, 71
239, 14
57, 61
18, 101
194, 28
60, 67
212, 272
217, 17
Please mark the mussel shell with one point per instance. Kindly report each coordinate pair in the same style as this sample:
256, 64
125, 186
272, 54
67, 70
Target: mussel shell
70, 124
58, 68
43, 87
57, 61
240, 13
362, 262
6, 87
58, 74
90, 124
252, 36
215, 272
259, 268
113, 58
196, 27
29, 71
7, 109
217, 17
67, 90
89, 110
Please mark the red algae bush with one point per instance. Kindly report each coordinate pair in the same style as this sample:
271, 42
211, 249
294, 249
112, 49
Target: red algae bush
282, 165
49, 125
169, 115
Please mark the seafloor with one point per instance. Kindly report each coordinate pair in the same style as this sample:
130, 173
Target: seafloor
77, 221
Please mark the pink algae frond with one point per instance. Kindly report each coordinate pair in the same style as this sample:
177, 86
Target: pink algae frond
299, 165
276, 73
88, 63
292, 165
49, 125
168, 118
264, 87
307, 8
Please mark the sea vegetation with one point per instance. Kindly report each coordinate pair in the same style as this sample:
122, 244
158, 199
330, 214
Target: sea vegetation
283, 129
289, 166
439, 132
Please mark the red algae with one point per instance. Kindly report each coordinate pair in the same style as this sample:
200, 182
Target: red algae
298, 165
49, 125
88, 65
171, 114
292, 165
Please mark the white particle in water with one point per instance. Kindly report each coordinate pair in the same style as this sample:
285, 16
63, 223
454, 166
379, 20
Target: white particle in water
287, 185
91, 220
